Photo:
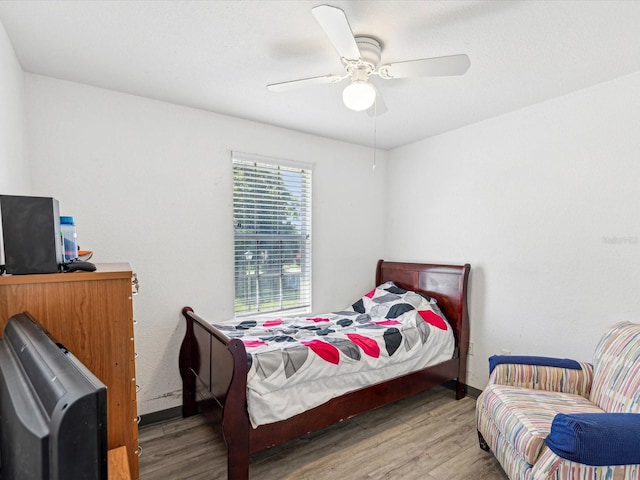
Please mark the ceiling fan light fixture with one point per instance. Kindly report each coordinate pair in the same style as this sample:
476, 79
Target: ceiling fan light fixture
359, 95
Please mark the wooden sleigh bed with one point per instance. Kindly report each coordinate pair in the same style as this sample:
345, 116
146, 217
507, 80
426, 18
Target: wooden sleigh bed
214, 370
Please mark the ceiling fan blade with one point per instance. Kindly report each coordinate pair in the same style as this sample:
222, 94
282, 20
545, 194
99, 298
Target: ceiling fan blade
335, 24
303, 82
427, 67
379, 107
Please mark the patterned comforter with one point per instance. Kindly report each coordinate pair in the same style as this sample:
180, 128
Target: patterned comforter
299, 363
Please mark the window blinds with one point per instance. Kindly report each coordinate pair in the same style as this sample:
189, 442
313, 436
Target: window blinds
272, 235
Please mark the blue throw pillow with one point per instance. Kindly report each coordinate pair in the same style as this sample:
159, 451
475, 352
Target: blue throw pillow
496, 360
596, 438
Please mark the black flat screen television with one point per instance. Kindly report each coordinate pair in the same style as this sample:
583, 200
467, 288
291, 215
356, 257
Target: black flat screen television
53, 410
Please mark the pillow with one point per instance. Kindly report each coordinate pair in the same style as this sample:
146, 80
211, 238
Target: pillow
389, 299
496, 360
596, 438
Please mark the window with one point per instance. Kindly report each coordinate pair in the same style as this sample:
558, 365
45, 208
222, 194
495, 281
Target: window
272, 235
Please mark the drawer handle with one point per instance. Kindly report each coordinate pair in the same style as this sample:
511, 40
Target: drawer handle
139, 451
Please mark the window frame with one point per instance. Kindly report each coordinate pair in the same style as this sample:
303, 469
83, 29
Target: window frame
273, 250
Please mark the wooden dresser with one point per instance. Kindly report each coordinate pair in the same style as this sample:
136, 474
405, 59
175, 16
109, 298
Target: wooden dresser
90, 313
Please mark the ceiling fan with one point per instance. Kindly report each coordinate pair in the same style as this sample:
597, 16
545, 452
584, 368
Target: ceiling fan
361, 58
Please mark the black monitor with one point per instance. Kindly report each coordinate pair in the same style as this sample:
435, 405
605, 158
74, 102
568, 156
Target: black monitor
53, 410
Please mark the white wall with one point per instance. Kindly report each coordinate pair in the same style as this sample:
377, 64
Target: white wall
151, 183
14, 169
545, 205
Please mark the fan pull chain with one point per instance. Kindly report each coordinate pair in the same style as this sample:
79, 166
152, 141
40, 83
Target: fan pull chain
375, 130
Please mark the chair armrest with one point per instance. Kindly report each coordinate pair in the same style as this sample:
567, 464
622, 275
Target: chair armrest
596, 438
542, 373
531, 360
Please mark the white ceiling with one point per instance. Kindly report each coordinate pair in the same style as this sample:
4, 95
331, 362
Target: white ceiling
220, 55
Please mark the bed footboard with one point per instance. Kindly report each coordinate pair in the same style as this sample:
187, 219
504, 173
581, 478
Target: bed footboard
214, 379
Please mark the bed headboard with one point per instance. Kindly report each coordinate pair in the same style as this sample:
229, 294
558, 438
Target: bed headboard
446, 283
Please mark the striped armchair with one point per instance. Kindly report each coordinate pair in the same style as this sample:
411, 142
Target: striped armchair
546, 418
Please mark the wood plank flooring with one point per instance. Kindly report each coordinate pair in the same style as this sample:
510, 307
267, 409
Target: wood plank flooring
430, 436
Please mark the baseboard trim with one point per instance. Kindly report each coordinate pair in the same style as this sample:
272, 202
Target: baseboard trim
160, 416
471, 391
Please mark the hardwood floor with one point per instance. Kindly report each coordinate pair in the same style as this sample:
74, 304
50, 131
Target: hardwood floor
430, 436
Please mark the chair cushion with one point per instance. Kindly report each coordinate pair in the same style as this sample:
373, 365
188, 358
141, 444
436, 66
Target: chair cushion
523, 415
596, 438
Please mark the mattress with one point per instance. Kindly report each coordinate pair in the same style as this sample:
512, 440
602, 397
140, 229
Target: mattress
299, 363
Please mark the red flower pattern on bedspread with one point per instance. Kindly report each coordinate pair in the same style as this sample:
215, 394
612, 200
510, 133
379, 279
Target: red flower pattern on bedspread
272, 323
387, 322
327, 352
253, 343
318, 319
368, 345
433, 319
